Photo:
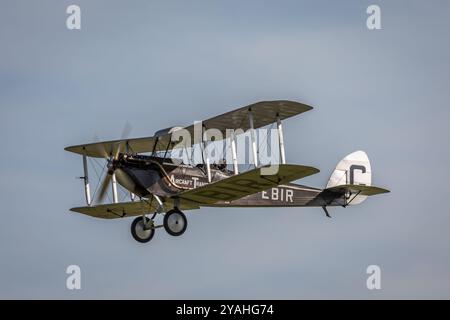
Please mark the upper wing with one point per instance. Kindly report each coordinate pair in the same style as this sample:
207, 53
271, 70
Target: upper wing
128, 209
104, 149
245, 183
360, 189
264, 113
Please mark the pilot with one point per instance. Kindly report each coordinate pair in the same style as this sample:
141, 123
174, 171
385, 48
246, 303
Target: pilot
222, 165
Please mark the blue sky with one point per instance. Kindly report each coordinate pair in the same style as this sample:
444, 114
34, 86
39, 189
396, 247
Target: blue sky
168, 63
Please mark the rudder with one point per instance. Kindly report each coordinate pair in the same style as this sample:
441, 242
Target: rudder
354, 169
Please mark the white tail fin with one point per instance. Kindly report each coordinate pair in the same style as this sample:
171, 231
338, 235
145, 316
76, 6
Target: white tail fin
353, 169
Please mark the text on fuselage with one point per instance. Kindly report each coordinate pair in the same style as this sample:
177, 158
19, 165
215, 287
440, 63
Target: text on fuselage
278, 194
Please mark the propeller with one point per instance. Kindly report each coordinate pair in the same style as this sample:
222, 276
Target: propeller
112, 157
104, 187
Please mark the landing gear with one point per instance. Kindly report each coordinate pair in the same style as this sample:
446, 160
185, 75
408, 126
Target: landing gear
175, 222
142, 229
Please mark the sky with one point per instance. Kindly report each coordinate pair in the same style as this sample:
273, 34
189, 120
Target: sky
156, 64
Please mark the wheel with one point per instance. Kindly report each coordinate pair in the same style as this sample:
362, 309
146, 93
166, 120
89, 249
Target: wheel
138, 231
175, 222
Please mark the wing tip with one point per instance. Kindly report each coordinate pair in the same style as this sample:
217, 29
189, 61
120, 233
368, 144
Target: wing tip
75, 149
385, 190
76, 209
304, 107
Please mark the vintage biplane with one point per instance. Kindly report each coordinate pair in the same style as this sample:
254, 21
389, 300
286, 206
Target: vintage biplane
159, 184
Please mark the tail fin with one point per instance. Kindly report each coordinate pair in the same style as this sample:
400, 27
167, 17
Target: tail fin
354, 169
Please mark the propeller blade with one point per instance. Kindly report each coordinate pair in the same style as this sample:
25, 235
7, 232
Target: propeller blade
104, 188
118, 149
102, 150
125, 134
126, 131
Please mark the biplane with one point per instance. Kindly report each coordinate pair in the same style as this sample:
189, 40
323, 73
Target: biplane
166, 186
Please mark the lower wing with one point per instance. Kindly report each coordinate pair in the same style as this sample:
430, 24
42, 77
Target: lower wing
246, 183
129, 209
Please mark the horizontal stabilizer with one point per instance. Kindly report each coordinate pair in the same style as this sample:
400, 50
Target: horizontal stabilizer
246, 183
358, 189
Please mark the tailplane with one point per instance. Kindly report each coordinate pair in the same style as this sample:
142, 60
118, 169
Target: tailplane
353, 177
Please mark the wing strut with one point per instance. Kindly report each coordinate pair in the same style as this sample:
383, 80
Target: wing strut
233, 153
114, 188
252, 133
87, 189
206, 154
281, 140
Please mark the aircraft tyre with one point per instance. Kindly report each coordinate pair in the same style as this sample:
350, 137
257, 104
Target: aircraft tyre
175, 222
139, 232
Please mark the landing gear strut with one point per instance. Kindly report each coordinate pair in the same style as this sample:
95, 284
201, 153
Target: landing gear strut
143, 228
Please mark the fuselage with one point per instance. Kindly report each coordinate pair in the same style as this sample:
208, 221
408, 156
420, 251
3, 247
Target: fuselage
147, 175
